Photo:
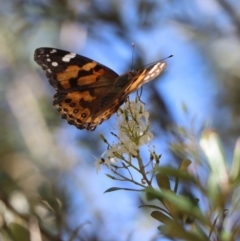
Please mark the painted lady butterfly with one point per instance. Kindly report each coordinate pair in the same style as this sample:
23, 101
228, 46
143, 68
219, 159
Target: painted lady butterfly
87, 92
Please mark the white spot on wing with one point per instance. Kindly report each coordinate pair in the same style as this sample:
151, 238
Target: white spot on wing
67, 57
154, 72
54, 64
147, 77
153, 69
53, 51
48, 60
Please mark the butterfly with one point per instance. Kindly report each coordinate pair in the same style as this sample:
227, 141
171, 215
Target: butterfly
87, 92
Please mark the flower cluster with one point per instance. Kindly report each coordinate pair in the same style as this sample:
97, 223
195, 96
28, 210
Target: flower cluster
133, 132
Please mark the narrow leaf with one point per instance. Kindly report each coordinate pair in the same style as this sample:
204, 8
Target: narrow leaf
173, 172
184, 165
235, 170
179, 203
110, 176
161, 217
182, 168
113, 189
211, 145
176, 231
153, 206
163, 181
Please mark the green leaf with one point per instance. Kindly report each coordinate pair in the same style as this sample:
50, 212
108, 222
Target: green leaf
103, 138
184, 165
218, 178
163, 181
161, 217
170, 171
113, 189
153, 206
235, 169
19, 232
179, 204
164, 184
175, 231
110, 176
182, 168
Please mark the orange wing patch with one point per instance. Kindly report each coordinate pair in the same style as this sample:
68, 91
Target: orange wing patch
90, 79
77, 96
73, 71
89, 66
70, 72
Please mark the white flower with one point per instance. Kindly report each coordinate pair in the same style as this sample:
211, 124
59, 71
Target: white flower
146, 116
98, 164
131, 147
105, 159
133, 123
107, 162
145, 138
115, 150
99, 161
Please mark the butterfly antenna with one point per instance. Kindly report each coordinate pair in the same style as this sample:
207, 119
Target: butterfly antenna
170, 56
133, 45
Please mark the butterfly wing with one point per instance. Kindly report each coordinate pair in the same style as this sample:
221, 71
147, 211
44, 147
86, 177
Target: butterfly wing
80, 84
126, 84
87, 92
134, 79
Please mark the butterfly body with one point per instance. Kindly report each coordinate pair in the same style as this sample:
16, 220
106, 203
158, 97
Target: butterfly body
87, 92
